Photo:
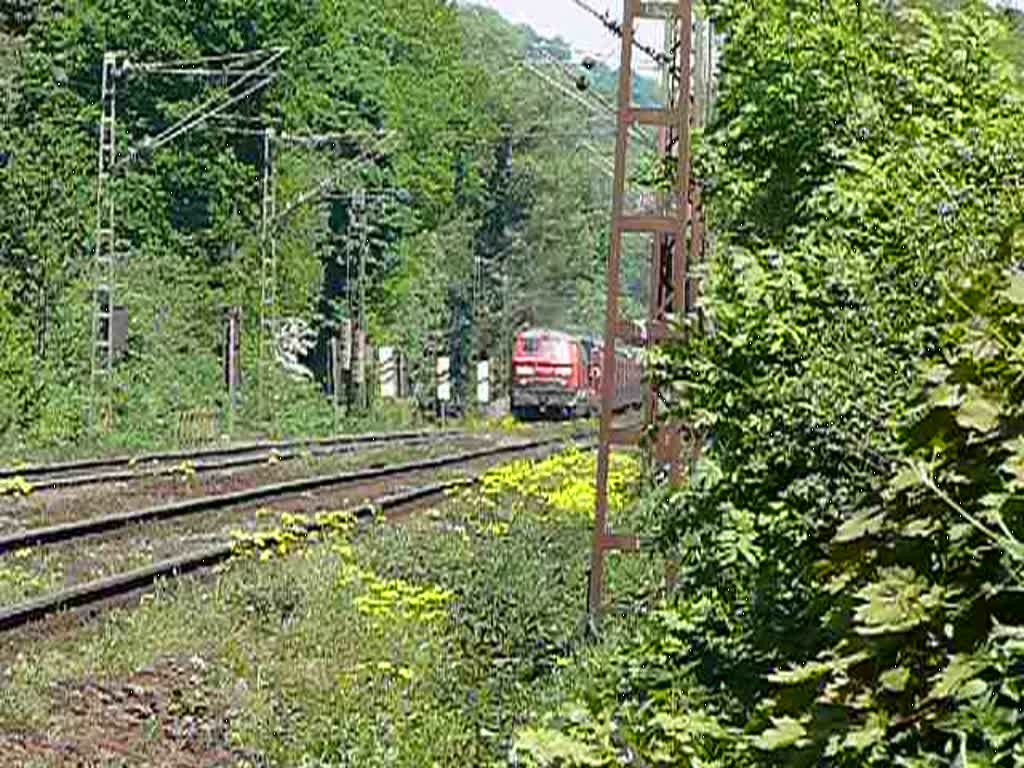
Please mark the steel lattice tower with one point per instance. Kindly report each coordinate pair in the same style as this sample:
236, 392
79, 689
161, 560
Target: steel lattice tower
244, 74
102, 359
677, 245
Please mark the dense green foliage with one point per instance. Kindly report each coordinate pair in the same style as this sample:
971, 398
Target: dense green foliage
850, 543
503, 220
924, 631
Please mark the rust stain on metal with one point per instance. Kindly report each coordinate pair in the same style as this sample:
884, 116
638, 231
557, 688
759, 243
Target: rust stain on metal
677, 243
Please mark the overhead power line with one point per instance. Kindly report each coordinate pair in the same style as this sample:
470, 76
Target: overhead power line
593, 106
210, 67
613, 26
588, 101
201, 61
214, 105
384, 142
604, 103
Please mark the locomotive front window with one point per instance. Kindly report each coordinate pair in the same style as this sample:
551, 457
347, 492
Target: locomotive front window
557, 351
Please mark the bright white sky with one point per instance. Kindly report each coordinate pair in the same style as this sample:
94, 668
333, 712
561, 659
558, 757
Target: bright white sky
552, 18
563, 18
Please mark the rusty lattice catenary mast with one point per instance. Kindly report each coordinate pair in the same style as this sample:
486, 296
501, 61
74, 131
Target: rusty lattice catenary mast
675, 226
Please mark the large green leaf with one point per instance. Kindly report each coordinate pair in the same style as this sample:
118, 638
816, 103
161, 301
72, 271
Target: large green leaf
784, 732
554, 748
814, 670
978, 412
959, 677
1014, 464
945, 395
898, 602
867, 735
895, 680
1014, 291
860, 525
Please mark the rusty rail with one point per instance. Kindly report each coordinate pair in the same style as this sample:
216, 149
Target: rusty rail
36, 470
125, 583
77, 481
82, 528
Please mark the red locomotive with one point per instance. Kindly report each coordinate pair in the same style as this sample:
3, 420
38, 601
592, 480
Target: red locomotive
556, 374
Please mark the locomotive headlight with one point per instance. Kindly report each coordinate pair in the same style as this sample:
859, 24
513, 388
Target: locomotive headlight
525, 370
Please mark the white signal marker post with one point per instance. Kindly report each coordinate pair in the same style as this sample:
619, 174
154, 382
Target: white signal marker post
388, 373
345, 353
444, 385
233, 357
483, 382
345, 345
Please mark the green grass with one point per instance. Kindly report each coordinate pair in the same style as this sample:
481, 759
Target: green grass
426, 642
23, 574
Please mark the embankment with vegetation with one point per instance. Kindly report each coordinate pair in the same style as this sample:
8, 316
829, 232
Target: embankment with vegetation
418, 642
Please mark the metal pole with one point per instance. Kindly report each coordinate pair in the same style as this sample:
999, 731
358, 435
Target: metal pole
364, 393
104, 336
232, 367
506, 335
362, 283
612, 273
667, 226
232, 362
346, 377
358, 213
103, 295
336, 382
268, 270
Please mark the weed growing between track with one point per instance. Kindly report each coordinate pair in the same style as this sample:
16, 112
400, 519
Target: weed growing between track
22, 576
422, 642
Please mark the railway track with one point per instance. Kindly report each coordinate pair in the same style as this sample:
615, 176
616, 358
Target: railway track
81, 473
131, 468
124, 583
119, 584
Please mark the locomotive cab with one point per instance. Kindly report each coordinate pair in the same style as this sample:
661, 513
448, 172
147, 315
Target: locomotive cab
550, 375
